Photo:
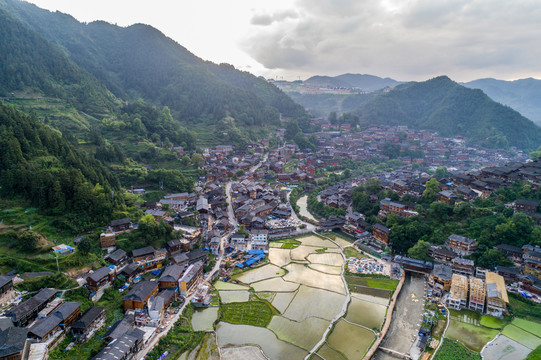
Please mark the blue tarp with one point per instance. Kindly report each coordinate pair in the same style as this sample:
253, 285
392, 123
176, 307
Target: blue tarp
254, 259
255, 252
239, 265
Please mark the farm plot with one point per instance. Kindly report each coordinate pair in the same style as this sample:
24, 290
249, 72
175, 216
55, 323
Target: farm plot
256, 313
274, 348
366, 313
328, 353
371, 298
472, 336
332, 270
303, 306
317, 241
275, 284
351, 340
304, 275
261, 273
332, 259
305, 334
241, 353
280, 257
452, 350
220, 285
231, 296
503, 348
302, 252
530, 326
522, 336
202, 320
282, 300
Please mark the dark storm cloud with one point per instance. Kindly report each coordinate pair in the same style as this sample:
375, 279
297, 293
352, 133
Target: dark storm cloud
405, 39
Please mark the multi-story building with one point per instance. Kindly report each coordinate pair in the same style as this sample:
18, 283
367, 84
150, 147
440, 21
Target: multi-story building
441, 277
190, 277
138, 297
6, 288
107, 240
381, 233
463, 266
477, 294
170, 277
101, 278
390, 207
92, 320
497, 299
23, 313
259, 239
462, 245
458, 295
532, 263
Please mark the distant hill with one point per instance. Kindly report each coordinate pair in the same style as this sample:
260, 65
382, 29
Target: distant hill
367, 82
523, 95
320, 105
140, 62
442, 105
361, 81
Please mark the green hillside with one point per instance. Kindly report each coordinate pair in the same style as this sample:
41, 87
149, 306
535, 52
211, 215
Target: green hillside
41, 166
29, 63
452, 110
140, 62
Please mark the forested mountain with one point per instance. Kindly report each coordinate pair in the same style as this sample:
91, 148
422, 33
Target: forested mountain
139, 61
361, 81
28, 62
41, 166
523, 95
442, 105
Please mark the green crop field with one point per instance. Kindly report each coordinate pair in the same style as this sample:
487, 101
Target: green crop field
530, 326
452, 350
492, 322
472, 336
522, 336
256, 313
373, 282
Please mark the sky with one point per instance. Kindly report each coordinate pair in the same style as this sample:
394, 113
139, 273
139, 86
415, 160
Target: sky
295, 39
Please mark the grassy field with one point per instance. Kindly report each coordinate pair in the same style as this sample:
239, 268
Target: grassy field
492, 322
321, 251
524, 308
256, 313
352, 252
289, 243
374, 282
452, 350
535, 355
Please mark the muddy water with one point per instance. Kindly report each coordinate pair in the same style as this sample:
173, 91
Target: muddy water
203, 319
303, 208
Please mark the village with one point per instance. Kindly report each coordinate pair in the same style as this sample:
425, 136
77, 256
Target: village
241, 211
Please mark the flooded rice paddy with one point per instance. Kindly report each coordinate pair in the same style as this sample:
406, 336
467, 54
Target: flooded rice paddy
305, 334
350, 340
231, 296
203, 319
261, 273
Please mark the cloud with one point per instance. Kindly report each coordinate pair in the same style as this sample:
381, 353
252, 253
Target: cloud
268, 19
406, 39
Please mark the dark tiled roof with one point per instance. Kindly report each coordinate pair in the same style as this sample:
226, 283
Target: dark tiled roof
143, 251
117, 255
12, 341
32, 304
172, 273
4, 280
141, 291
120, 222
99, 274
88, 317
121, 327
121, 347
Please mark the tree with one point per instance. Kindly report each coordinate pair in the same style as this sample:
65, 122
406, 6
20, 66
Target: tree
491, 258
432, 188
333, 119
185, 160
85, 245
441, 172
28, 240
197, 159
420, 250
